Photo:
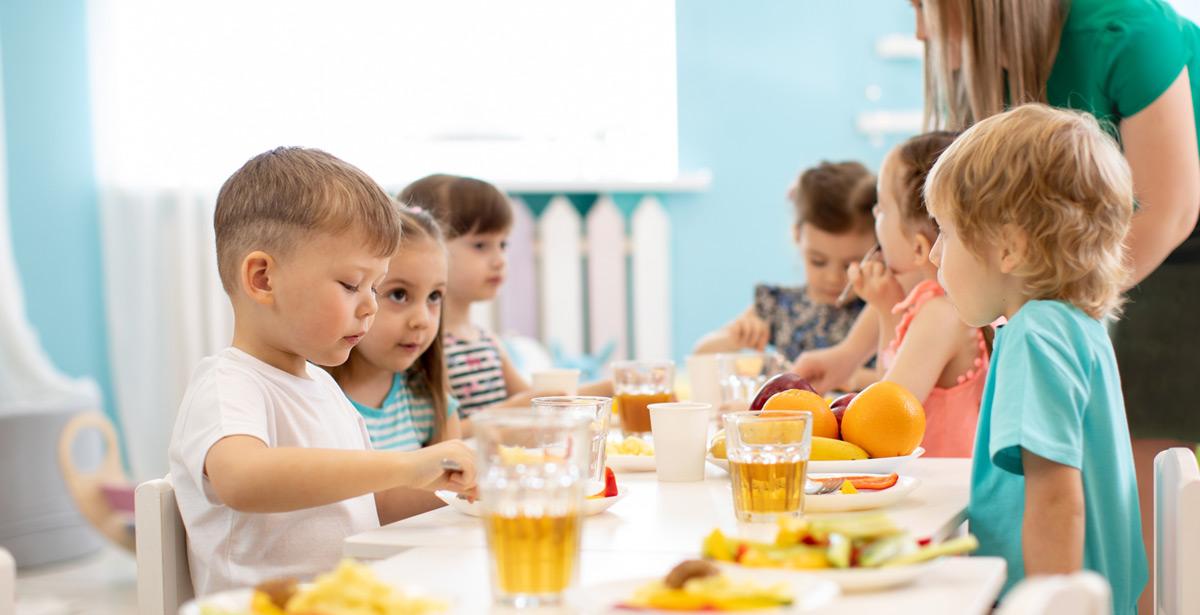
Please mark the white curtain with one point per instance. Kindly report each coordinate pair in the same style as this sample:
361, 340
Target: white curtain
166, 309
28, 380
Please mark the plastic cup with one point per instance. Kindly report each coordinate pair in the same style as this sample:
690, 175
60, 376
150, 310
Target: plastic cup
557, 381
680, 439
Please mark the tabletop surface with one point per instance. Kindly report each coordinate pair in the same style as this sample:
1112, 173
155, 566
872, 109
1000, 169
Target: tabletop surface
674, 517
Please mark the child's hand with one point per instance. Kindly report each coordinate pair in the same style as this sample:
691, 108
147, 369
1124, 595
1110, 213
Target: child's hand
427, 471
876, 285
824, 369
750, 331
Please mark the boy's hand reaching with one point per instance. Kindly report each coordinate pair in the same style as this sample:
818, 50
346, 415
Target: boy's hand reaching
750, 331
876, 285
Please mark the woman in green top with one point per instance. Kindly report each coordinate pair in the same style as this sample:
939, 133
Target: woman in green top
1134, 64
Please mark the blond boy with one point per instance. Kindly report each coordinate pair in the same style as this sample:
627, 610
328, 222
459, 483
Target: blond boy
272, 466
1033, 206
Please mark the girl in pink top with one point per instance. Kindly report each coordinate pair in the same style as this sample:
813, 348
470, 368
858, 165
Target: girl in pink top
923, 345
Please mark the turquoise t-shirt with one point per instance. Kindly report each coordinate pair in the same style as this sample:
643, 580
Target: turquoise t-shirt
405, 420
1053, 390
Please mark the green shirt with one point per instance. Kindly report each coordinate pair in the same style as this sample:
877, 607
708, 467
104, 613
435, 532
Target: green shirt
1116, 57
1053, 390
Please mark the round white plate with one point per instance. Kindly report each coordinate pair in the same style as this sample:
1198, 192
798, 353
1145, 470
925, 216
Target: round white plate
810, 593
879, 465
863, 500
630, 463
849, 579
591, 506
238, 600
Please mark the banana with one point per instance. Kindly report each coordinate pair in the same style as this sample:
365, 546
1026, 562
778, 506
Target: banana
829, 449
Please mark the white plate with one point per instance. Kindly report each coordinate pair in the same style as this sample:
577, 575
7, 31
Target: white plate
880, 465
810, 593
849, 579
630, 463
863, 500
591, 506
238, 600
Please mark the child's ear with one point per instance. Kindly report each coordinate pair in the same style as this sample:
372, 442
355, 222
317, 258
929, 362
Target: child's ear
255, 274
1013, 242
922, 246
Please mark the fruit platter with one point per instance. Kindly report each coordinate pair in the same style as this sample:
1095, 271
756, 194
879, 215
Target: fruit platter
858, 552
630, 454
877, 430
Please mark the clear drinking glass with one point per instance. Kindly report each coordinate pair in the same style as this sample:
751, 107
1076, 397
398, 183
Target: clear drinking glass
768, 459
636, 385
740, 376
598, 411
532, 478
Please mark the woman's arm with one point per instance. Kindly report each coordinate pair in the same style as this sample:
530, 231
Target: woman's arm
1160, 145
1053, 525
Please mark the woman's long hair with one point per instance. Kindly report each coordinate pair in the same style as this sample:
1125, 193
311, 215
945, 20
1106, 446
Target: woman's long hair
983, 56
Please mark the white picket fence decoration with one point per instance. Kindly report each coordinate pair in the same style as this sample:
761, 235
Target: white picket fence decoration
587, 279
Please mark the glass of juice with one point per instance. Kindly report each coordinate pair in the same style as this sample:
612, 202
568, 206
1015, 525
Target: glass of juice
768, 457
533, 474
636, 385
598, 412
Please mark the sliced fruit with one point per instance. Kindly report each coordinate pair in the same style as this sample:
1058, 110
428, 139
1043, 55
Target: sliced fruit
848, 488
610, 482
873, 482
829, 449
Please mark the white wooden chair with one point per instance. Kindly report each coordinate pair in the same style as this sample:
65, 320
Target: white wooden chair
164, 580
1081, 593
1176, 532
8, 583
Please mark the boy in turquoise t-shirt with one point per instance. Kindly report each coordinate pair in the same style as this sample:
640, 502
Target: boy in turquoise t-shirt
1033, 206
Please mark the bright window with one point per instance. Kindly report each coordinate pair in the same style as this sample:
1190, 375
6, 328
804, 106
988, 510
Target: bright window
511, 90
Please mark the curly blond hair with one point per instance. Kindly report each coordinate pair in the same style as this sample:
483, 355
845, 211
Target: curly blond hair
1059, 179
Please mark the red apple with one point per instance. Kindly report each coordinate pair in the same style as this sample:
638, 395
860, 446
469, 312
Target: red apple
777, 383
839, 406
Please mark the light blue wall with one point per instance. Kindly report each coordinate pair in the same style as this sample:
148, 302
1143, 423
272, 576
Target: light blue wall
51, 182
767, 88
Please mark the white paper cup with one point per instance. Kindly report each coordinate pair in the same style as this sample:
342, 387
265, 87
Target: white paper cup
702, 376
557, 381
680, 439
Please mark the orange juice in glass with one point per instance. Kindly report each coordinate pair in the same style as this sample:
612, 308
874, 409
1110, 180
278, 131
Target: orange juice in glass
636, 385
768, 461
533, 475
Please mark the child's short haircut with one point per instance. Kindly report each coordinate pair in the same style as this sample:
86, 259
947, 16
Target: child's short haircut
1060, 179
279, 197
918, 155
462, 205
836, 197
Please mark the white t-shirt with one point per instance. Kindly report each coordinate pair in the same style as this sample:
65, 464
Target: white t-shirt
233, 393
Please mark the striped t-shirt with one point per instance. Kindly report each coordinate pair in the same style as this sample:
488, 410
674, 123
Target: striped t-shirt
476, 375
405, 422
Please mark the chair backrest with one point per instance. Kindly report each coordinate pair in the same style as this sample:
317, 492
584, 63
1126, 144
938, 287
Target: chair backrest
8, 583
164, 580
1081, 593
1176, 532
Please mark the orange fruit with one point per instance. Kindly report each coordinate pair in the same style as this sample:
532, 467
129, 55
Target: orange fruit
885, 419
825, 424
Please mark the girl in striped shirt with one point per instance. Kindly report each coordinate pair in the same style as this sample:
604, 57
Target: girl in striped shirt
396, 376
476, 217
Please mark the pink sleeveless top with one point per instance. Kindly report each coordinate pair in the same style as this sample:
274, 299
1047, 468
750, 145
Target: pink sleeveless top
950, 414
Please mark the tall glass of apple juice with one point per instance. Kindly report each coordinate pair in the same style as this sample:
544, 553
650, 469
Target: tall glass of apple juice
768, 458
533, 474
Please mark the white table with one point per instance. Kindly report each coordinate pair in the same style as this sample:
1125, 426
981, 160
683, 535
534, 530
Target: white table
958, 586
673, 518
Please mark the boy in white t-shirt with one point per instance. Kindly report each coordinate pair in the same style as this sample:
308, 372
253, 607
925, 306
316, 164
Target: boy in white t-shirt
272, 466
